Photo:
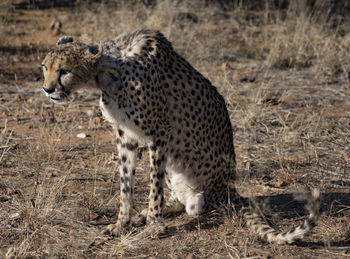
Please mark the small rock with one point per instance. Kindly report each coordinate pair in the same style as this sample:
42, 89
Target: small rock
90, 113
191, 256
56, 26
15, 215
15, 59
81, 135
9, 191
224, 66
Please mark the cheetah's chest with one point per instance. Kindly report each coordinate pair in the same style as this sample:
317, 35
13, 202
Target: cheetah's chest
115, 114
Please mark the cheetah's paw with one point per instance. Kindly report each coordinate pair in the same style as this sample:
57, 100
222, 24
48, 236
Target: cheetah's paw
114, 230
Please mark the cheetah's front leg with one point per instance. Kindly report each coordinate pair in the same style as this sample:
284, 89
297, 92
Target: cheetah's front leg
127, 159
156, 196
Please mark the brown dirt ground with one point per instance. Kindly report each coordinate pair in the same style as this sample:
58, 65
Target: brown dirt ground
57, 192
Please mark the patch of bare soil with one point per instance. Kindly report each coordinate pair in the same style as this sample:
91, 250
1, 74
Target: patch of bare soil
58, 191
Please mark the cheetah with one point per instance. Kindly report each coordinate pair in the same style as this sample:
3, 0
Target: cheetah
153, 97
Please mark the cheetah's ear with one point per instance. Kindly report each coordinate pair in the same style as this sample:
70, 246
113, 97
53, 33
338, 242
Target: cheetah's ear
93, 53
64, 40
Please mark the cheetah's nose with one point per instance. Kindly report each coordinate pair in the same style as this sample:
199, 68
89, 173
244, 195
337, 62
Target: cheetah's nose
49, 90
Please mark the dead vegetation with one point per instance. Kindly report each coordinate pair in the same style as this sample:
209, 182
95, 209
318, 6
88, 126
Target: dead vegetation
284, 73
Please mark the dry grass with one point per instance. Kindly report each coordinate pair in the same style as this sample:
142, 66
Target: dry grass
284, 75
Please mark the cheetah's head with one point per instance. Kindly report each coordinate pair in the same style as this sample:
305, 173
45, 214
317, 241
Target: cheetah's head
68, 67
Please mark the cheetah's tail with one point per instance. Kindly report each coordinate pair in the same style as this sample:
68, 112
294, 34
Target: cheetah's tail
264, 231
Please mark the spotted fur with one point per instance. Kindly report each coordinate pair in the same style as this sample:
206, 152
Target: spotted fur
152, 96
